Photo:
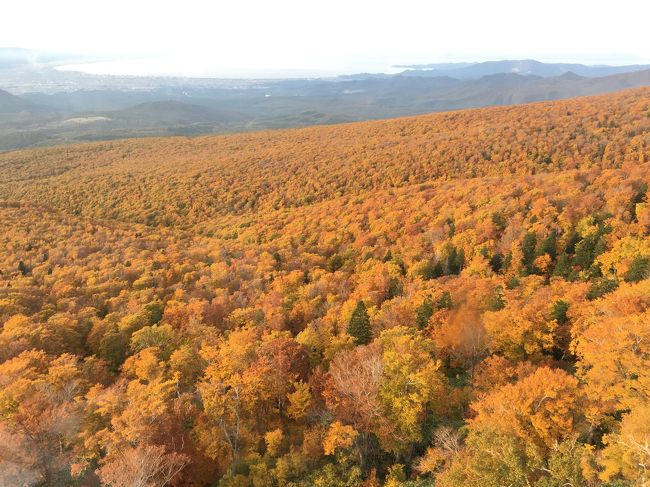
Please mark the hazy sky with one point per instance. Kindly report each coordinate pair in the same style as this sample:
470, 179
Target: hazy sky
244, 37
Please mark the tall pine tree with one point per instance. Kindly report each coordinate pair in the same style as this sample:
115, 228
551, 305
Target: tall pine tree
359, 326
424, 312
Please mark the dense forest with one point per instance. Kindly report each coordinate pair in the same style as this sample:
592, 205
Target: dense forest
456, 299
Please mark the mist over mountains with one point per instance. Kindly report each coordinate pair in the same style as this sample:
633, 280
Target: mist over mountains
524, 67
40, 105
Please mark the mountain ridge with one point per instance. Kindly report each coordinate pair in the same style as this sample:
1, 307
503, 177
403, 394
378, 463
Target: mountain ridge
187, 110
521, 66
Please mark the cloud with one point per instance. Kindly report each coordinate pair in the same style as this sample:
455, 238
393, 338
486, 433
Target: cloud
333, 35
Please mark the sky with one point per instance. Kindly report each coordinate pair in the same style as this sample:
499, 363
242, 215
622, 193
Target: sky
280, 37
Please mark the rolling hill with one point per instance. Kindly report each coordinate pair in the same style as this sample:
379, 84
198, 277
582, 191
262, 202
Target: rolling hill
187, 109
283, 169
171, 113
17, 115
13, 104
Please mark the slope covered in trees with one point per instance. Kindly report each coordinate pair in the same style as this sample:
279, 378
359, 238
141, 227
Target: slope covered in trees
456, 299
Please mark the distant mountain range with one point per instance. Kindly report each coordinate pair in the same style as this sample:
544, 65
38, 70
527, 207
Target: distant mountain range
16, 111
524, 67
13, 104
177, 106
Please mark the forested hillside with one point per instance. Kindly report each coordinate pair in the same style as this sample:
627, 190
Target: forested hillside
457, 299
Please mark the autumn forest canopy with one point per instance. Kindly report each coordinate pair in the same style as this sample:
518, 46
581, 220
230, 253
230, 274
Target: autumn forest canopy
455, 299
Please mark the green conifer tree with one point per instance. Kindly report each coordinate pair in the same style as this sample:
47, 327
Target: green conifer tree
639, 269
528, 247
424, 312
22, 268
359, 326
563, 266
559, 313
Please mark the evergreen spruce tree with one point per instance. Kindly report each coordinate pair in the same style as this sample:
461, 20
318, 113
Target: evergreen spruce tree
601, 287
528, 247
461, 260
424, 312
394, 288
155, 310
572, 240
639, 269
336, 262
549, 245
498, 300
359, 326
22, 268
496, 262
559, 313
455, 261
563, 266
428, 271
